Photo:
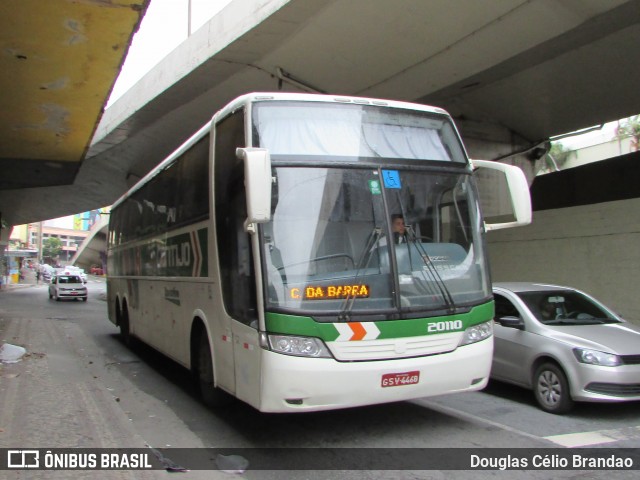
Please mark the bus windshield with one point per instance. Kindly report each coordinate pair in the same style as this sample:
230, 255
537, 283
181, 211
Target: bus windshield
330, 247
335, 131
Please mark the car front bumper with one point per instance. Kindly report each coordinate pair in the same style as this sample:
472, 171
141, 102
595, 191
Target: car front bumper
594, 383
72, 294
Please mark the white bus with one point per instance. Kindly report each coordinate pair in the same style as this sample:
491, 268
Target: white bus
261, 256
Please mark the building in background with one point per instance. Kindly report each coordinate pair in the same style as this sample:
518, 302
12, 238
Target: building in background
70, 240
25, 246
17, 256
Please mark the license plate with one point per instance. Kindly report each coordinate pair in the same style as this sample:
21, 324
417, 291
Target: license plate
400, 379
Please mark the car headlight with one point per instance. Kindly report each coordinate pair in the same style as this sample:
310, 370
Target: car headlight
298, 346
477, 333
594, 357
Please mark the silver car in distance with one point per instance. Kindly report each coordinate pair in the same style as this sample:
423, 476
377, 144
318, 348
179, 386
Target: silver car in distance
564, 345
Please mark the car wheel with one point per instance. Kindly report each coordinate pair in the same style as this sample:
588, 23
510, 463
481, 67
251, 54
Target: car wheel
50, 296
202, 372
551, 389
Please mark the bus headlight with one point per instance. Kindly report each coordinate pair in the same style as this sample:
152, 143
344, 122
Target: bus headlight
298, 346
477, 333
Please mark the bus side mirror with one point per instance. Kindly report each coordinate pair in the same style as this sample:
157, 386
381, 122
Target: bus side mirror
257, 181
504, 194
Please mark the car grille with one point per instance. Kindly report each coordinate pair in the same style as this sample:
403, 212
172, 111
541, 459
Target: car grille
614, 389
630, 359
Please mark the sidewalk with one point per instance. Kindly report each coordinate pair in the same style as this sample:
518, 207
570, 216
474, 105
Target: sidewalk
68, 391
29, 281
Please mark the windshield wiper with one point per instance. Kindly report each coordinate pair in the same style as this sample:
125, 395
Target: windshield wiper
363, 262
431, 270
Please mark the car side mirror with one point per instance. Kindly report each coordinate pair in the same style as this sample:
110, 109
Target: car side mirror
511, 322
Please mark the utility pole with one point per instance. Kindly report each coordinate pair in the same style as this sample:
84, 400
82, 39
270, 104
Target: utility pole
188, 18
39, 243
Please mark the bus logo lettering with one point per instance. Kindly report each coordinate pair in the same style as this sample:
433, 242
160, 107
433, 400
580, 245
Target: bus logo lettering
175, 255
171, 215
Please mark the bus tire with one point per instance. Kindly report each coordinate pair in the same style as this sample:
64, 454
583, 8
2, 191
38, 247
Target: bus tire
125, 327
202, 370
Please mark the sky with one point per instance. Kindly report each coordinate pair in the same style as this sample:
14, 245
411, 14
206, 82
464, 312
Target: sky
164, 26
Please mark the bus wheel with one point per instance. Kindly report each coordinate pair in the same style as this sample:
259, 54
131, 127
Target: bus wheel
125, 329
211, 396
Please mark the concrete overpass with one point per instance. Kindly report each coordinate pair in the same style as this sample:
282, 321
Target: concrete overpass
59, 61
94, 249
512, 72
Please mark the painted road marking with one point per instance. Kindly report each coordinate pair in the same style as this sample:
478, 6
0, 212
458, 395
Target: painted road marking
472, 418
585, 439
569, 440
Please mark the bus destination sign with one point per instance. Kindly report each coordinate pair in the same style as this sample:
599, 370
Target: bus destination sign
329, 292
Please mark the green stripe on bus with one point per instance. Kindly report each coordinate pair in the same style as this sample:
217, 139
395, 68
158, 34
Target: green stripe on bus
306, 326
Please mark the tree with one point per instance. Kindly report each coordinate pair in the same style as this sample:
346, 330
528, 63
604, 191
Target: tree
51, 247
630, 128
557, 156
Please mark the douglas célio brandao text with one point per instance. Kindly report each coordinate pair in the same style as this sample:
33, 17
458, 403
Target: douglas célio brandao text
568, 461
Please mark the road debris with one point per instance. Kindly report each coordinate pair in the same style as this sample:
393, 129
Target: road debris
11, 353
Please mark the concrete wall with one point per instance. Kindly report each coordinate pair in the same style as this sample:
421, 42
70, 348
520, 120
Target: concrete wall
595, 248
596, 152
585, 233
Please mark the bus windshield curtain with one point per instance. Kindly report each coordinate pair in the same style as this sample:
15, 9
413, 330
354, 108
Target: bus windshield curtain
311, 129
298, 231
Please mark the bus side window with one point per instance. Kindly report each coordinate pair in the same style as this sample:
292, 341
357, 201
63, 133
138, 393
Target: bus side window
234, 244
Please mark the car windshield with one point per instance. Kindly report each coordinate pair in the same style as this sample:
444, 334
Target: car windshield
69, 279
566, 307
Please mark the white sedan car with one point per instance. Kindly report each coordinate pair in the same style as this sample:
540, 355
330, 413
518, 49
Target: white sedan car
67, 286
564, 345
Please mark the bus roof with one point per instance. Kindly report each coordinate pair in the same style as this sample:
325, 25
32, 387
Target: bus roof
317, 97
253, 97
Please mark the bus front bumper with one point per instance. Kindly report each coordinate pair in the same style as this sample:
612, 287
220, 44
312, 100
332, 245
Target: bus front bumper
293, 384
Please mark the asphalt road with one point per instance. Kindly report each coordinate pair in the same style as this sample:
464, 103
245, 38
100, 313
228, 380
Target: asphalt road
80, 386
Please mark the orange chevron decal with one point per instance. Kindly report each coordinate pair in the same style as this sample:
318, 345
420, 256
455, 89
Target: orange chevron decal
349, 332
358, 331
